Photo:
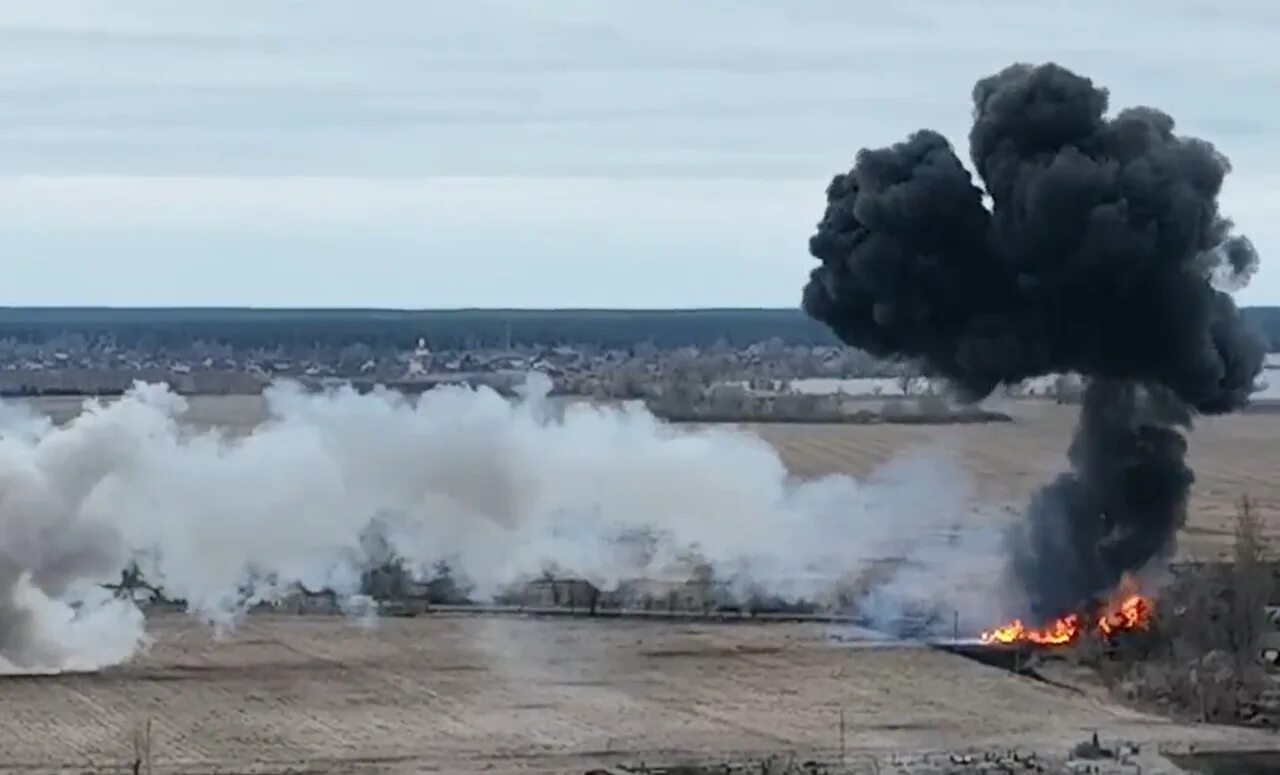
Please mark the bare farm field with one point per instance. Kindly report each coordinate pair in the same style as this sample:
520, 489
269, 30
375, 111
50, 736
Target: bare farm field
469, 694
1232, 456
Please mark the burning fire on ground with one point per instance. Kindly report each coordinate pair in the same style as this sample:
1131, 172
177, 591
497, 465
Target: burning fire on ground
1130, 611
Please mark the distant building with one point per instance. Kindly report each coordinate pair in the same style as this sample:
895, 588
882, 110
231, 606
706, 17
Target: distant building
305, 601
664, 595
572, 593
113, 381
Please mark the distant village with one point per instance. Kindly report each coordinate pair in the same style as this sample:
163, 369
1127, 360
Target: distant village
74, 363
766, 380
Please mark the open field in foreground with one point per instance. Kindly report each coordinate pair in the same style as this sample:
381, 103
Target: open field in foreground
469, 694
1231, 456
1007, 461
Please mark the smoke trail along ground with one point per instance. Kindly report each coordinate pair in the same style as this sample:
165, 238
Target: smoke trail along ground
501, 488
1102, 253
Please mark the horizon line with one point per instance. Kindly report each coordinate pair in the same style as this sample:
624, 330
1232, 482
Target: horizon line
258, 308
366, 309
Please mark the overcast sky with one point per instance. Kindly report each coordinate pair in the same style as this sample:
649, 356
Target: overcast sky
646, 153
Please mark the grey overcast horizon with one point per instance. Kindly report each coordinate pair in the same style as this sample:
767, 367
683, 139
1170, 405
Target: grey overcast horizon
566, 153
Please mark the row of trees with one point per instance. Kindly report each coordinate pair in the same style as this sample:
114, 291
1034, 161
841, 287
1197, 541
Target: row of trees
1203, 657
390, 580
400, 329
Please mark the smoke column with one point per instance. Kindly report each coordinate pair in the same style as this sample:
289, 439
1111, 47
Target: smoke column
1102, 252
332, 482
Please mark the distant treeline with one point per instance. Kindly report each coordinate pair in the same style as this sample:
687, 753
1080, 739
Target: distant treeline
174, 328
442, 329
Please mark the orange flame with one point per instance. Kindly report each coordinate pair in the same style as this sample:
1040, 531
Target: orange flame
1133, 613
1128, 613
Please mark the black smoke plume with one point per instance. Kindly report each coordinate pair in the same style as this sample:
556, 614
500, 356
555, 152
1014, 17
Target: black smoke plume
1101, 253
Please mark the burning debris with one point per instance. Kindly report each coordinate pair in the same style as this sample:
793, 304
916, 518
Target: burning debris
1128, 613
1101, 254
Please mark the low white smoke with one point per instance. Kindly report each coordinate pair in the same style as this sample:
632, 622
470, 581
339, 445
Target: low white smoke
500, 488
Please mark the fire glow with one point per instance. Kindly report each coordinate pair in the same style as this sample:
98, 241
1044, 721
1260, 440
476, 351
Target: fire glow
1130, 612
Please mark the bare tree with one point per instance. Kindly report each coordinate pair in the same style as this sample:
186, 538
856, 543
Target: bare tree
447, 587
388, 581
1202, 653
132, 581
1251, 583
906, 383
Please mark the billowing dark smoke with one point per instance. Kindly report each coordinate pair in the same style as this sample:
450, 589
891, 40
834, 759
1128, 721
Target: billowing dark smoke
1101, 253
1119, 506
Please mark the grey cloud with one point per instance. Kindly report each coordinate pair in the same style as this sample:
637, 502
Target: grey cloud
569, 88
528, 96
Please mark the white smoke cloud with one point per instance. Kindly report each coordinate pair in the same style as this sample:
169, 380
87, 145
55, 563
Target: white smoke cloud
500, 487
